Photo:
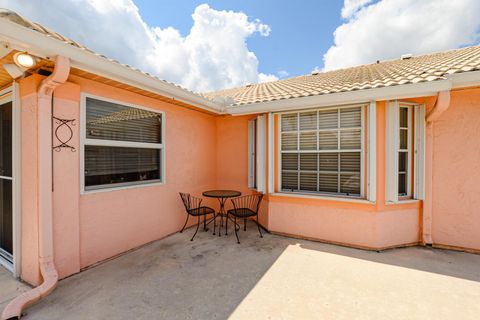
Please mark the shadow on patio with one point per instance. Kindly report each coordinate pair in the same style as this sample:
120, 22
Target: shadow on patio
274, 277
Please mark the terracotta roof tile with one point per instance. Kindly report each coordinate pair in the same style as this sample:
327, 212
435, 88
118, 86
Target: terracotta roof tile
430, 67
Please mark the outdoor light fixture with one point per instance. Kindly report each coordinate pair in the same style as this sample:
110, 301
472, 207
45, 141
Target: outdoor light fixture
24, 60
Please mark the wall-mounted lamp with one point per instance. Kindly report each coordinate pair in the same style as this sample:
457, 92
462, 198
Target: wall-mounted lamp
24, 60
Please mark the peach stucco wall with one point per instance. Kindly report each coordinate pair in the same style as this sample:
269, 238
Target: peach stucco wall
232, 158
366, 225
203, 152
456, 172
92, 227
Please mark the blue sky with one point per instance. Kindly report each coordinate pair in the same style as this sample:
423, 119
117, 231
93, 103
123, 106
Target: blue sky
301, 32
211, 45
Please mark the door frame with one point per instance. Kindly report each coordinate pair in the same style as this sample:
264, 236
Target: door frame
12, 93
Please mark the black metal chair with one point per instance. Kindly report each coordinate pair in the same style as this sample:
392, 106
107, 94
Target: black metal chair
244, 208
193, 206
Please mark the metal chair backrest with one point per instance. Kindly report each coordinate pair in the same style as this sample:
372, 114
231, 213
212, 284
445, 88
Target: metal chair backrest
190, 202
251, 202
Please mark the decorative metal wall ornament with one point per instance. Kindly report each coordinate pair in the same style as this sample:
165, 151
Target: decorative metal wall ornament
64, 125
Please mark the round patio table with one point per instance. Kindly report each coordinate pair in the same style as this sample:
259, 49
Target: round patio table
222, 196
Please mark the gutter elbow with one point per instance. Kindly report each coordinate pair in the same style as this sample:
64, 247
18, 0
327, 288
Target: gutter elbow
441, 105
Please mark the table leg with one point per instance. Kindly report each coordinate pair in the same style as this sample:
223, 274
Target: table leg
222, 213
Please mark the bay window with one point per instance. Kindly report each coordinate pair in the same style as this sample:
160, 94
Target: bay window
321, 151
123, 145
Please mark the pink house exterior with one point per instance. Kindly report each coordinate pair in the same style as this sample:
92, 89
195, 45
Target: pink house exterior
380, 163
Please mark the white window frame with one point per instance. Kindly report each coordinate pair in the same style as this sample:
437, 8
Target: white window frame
409, 150
114, 143
416, 151
261, 153
257, 145
363, 107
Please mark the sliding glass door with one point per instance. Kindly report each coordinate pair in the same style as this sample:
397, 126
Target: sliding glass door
6, 180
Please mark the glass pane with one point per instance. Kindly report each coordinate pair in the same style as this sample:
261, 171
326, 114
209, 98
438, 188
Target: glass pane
6, 139
308, 161
350, 162
290, 122
403, 139
350, 139
328, 119
328, 182
328, 161
110, 165
351, 117
308, 181
308, 120
111, 121
403, 117
289, 161
350, 183
402, 161
289, 181
308, 141
6, 222
328, 140
402, 184
289, 141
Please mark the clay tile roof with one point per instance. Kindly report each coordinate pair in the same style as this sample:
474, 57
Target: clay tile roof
417, 69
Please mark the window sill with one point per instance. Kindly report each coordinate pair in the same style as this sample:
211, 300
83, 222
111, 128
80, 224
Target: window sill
123, 187
322, 197
402, 201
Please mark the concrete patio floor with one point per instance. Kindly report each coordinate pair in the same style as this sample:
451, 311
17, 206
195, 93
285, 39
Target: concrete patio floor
270, 278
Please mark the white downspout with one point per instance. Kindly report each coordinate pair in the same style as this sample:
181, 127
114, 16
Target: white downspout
45, 196
442, 104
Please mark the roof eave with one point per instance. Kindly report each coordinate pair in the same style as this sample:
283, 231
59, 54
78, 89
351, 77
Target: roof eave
423, 89
41, 45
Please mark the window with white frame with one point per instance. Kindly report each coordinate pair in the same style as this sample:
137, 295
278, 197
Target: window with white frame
405, 147
404, 150
321, 151
123, 145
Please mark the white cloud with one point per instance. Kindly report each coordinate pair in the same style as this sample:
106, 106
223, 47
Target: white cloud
262, 77
350, 7
389, 28
283, 73
214, 54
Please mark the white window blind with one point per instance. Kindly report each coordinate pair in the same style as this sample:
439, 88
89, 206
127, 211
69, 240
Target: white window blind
123, 145
321, 151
